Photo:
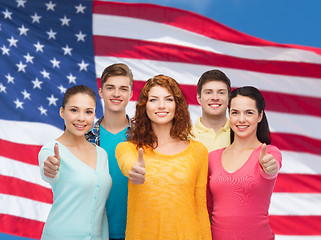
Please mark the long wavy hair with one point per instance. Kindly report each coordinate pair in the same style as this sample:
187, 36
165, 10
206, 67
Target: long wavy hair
263, 130
142, 133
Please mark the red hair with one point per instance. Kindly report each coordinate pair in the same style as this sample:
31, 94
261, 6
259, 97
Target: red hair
142, 133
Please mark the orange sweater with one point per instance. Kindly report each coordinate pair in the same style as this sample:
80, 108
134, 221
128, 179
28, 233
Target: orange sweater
171, 204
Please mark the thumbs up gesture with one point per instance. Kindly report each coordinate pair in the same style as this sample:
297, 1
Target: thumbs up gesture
267, 161
52, 163
138, 171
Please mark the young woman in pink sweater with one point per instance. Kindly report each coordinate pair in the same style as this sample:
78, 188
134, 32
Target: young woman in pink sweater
242, 176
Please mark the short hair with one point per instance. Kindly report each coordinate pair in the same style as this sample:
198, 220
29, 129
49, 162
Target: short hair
117, 69
213, 75
78, 89
142, 133
263, 130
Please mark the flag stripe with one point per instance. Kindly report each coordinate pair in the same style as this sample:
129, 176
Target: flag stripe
190, 73
159, 51
25, 189
296, 225
189, 21
300, 183
24, 227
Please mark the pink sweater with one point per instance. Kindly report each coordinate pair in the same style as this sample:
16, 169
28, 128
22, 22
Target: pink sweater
238, 202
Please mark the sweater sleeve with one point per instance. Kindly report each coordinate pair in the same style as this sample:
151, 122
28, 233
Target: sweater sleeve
126, 155
200, 191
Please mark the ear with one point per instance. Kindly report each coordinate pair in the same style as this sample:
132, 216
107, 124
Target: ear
61, 112
198, 97
260, 116
131, 94
100, 91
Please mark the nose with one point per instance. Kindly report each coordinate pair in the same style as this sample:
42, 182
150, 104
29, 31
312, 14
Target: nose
215, 96
81, 116
242, 118
161, 104
116, 92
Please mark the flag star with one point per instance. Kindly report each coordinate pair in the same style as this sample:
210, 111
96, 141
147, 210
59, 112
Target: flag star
62, 89
80, 36
36, 83
52, 34
12, 41
55, 63
80, 8
7, 14
42, 110
64, 21
67, 50
71, 78
5, 50
28, 58
18, 103
45, 74
50, 6
36, 18
21, 3
25, 94
38, 47
52, 100
21, 67
10, 78
23, 30
82, 66
2, 88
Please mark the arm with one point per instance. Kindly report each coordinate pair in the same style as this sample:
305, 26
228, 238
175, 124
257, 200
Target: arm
200, 194
209, 195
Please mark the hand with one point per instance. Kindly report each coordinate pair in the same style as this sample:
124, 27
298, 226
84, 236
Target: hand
52, 163
267, 161
138, 171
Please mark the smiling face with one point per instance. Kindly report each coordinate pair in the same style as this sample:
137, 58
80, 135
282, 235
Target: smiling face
116, 93
78, 114
213, 99
244, 117
160, 106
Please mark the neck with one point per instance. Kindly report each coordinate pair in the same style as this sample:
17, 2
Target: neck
71, 140
114, 122
163, 133
215, 122
245, 143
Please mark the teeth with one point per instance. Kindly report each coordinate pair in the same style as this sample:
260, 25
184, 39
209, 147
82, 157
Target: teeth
161, 114
242, 127
117, 101
79, 125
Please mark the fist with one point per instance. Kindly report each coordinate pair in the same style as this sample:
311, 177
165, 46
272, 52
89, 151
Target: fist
52, 163
268, 162
138, 171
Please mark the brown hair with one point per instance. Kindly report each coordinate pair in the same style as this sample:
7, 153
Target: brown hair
142, 133
78, 89
117, 69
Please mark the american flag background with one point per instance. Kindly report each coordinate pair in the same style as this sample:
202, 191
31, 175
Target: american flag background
48, 46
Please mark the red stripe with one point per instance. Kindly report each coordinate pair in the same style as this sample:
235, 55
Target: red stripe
277, 102
20, 226
140, 49
296, 225
17, 187
20, 152
187, 20
298, 183
296, 143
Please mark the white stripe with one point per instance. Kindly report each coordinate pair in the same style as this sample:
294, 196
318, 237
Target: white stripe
295, 204
291, 237
28, 132
300, 163
134, 28
24, 208
22, 171
190, 73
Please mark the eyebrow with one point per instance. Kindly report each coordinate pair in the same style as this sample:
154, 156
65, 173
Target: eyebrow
164, 97
112, 85
78, 107
211, 89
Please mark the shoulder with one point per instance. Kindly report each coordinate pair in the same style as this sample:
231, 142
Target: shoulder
198, 145
125, 146
48, 146
216, 153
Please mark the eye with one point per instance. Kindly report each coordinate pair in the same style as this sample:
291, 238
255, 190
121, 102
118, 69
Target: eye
152, 100
89, 112
170, 99
221, 92
124, 89
250, 113
109, 88
233, 112
73, 110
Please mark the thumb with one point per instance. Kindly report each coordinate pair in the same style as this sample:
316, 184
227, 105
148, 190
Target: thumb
140, 159
56, 151
263, 152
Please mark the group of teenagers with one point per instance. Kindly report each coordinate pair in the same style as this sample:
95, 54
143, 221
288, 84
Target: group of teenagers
157, 176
